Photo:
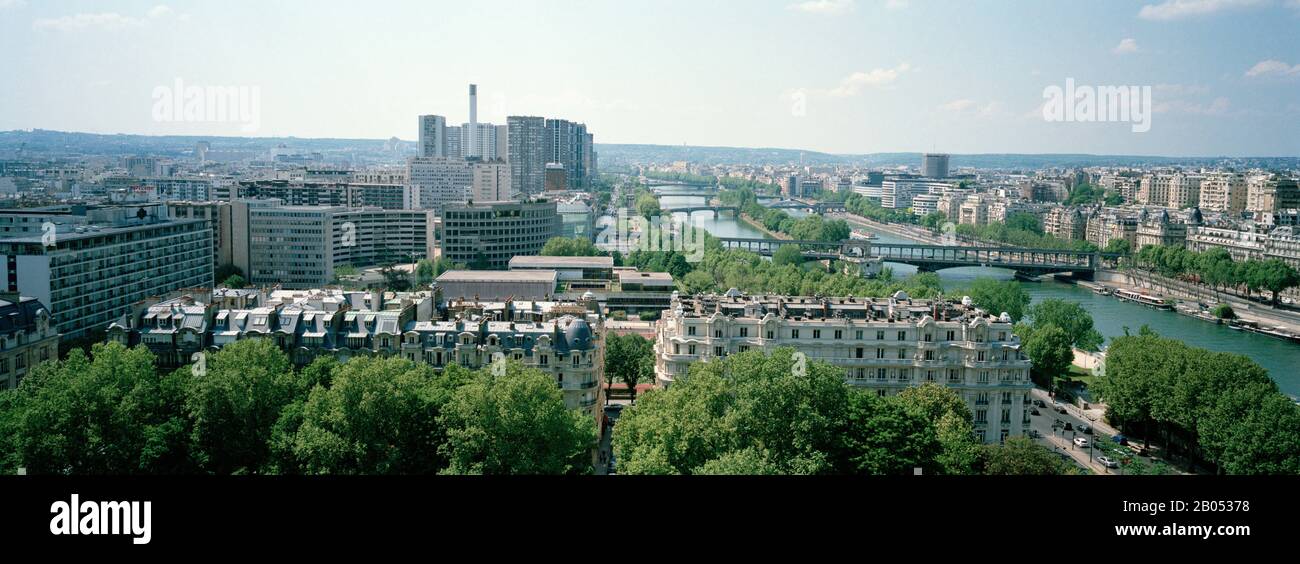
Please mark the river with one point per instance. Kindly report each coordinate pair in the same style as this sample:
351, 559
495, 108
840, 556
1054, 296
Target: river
1110, 316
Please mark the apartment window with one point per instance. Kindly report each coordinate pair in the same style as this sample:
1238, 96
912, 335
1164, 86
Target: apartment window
881, 393
744, 348
880, 353
929, 355
718, 334
861, 373
880, 335
577, 359
858, 335
677, 349
953, 376
1006, 398
717, 351
794, 333
904, 375
1006, 416
929, 375
1002, 436
979, 356
817, 333
1002, 335
769, 334
952, 336
690, 349
544, 360
982, 398
744, 331
859, 352
981, 416
902, 354
880, 373
984, 376
690, 330
928, 337
902, 335
839, 334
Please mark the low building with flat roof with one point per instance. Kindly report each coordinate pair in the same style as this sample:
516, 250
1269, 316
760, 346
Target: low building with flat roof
497, 284
634, 281
576, 272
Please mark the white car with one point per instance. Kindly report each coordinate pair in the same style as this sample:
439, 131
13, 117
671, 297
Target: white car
1081, 442
1107, 462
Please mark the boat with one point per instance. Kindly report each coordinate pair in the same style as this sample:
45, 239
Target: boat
1275, 332
861, 235
1101, 291
1144, 299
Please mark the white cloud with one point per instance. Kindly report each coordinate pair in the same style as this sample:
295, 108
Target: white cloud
854, 83
1127, 45
1178, 9
1273, 67
969, 107
108, 21
824, 6
6, 4
1218, 107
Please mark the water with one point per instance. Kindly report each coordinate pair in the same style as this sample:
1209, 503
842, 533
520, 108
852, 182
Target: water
1110, 316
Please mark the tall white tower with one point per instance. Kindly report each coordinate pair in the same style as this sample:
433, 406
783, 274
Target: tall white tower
471, 133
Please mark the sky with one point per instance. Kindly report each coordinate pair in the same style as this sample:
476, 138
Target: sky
839, 76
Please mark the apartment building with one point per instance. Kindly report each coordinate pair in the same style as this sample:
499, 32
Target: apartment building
27, 337
1066, 223
883, 345
1223, 192
1271, 193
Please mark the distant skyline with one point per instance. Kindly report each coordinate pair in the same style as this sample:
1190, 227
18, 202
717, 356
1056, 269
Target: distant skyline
834, 76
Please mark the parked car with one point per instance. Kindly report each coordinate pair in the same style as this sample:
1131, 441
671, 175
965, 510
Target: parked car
1069, 426
1060, 408
1107, 462
1035, 411
1081, 442
1085, 429
1040, 403
1120, 440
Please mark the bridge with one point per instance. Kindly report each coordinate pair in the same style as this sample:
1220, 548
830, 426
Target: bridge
651, 182
811, 207
931, 258
694, 190
717, 210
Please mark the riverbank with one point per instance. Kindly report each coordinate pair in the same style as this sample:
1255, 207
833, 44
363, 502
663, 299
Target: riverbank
918, 234
759, 226
1191, 301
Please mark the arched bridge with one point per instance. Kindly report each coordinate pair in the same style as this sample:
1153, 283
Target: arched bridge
814, 207
1026, 262
717, 210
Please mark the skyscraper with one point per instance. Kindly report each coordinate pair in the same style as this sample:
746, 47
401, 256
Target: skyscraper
433, 136
934, 165
527, 153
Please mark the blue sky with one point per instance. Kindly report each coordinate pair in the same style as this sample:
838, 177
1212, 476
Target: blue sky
845, 76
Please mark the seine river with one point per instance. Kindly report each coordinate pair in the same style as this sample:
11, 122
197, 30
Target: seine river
1111, 316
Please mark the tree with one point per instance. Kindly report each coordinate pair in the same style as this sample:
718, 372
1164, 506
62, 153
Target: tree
396, 279
1224, 311
1276, 276
647, 205
997, 296
1049, 351
235, 281
1019, 456
424, 272
516, 423
110, 413
1120, 246
787, 254
226, 271
1071, 317
234, 406
629, 358
570, 247
377, 416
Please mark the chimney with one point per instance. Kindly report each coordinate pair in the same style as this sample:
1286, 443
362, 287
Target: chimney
471, 138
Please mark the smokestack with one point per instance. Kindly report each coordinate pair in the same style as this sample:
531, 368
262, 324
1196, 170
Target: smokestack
472, 137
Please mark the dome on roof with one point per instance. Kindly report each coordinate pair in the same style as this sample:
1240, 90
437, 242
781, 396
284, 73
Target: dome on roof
1194, 217
1005, 317
900, 295
1163, 217
733, 293
966, 301
1143, 215
578, 334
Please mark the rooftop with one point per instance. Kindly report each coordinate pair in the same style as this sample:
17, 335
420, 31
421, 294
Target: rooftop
499, 276
526, 261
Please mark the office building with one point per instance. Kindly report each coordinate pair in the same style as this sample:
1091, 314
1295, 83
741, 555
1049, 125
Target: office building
485, 235
934, 165
99, 260
527, 153
433, 136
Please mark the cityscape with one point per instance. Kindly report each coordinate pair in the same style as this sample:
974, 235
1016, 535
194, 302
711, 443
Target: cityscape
477, 273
